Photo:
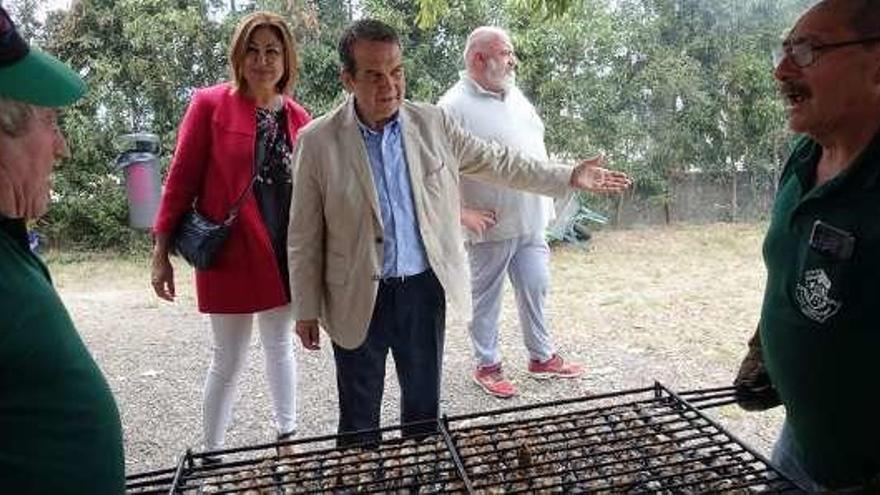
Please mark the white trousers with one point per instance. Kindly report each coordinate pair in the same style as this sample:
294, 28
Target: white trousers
232, 336
526, 261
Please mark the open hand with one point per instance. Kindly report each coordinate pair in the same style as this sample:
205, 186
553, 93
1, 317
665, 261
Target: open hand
589, 175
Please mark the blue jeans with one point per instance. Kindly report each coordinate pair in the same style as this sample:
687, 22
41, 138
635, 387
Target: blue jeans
784, 459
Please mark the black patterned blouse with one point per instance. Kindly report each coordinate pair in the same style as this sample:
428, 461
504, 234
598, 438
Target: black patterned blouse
274, 186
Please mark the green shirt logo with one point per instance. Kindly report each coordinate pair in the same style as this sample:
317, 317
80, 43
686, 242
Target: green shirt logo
812, 296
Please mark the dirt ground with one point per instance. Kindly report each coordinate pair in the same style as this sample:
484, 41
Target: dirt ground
669, 304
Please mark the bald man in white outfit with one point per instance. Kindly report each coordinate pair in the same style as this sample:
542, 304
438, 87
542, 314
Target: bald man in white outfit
505, 227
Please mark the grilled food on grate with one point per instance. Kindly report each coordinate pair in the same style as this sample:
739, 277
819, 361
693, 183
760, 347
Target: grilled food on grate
639, 441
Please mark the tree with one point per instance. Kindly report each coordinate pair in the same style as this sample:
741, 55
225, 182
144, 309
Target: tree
25, 14
431, 12
660, 87
141, 60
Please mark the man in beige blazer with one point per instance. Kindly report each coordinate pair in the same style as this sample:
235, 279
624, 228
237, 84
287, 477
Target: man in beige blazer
374, 242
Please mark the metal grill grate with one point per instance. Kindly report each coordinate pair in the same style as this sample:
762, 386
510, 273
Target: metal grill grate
650, 444
313, 465
636, 441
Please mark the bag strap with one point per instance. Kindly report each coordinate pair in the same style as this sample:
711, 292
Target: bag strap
236, 206
233, 211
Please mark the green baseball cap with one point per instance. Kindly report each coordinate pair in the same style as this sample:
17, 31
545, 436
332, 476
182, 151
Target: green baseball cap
32, 76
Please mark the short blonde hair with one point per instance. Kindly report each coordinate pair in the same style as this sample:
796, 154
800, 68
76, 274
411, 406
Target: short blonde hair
15, 117
242, 36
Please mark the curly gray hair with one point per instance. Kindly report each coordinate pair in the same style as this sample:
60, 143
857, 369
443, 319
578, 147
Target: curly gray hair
14, 117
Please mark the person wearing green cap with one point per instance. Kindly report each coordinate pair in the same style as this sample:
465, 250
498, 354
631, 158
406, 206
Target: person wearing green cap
59, 425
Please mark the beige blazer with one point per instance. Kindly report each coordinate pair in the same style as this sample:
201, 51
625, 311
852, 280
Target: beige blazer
335, 237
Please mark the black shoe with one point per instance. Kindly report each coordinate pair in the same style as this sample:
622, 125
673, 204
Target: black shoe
210, 461
287, 449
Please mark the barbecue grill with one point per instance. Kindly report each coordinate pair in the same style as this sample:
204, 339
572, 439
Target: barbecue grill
643, 440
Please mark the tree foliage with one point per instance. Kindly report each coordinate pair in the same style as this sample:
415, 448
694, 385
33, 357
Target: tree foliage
661, 87
430, 12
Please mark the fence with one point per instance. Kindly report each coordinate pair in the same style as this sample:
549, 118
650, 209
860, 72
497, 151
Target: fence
697, 197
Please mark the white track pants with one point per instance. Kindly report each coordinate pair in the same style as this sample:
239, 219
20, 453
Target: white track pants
526, 261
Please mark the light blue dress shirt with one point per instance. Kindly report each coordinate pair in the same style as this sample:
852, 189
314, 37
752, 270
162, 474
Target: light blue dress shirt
404, 251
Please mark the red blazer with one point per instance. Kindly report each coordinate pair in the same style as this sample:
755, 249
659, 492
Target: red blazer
212, 164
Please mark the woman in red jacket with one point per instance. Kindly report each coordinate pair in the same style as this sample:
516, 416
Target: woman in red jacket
230, 134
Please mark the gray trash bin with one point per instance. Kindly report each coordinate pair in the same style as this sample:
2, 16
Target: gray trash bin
139, 163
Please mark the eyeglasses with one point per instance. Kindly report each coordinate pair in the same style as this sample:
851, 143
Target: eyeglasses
804, 53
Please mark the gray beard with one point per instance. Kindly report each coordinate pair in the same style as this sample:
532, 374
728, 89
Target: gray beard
508, 82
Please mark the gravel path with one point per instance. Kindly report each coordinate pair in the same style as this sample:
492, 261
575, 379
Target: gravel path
675, 305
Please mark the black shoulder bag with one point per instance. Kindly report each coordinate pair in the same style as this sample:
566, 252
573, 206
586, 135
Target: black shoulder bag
198, 239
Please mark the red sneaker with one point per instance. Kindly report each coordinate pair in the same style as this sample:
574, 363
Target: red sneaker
555, 367
492, 381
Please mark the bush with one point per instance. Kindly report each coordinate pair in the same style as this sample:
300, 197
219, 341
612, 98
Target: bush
93, 216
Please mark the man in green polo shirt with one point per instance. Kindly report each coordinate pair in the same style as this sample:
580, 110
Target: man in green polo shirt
820, 321
59, 425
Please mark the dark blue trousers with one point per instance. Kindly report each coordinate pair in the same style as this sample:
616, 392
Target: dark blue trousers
409, 320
